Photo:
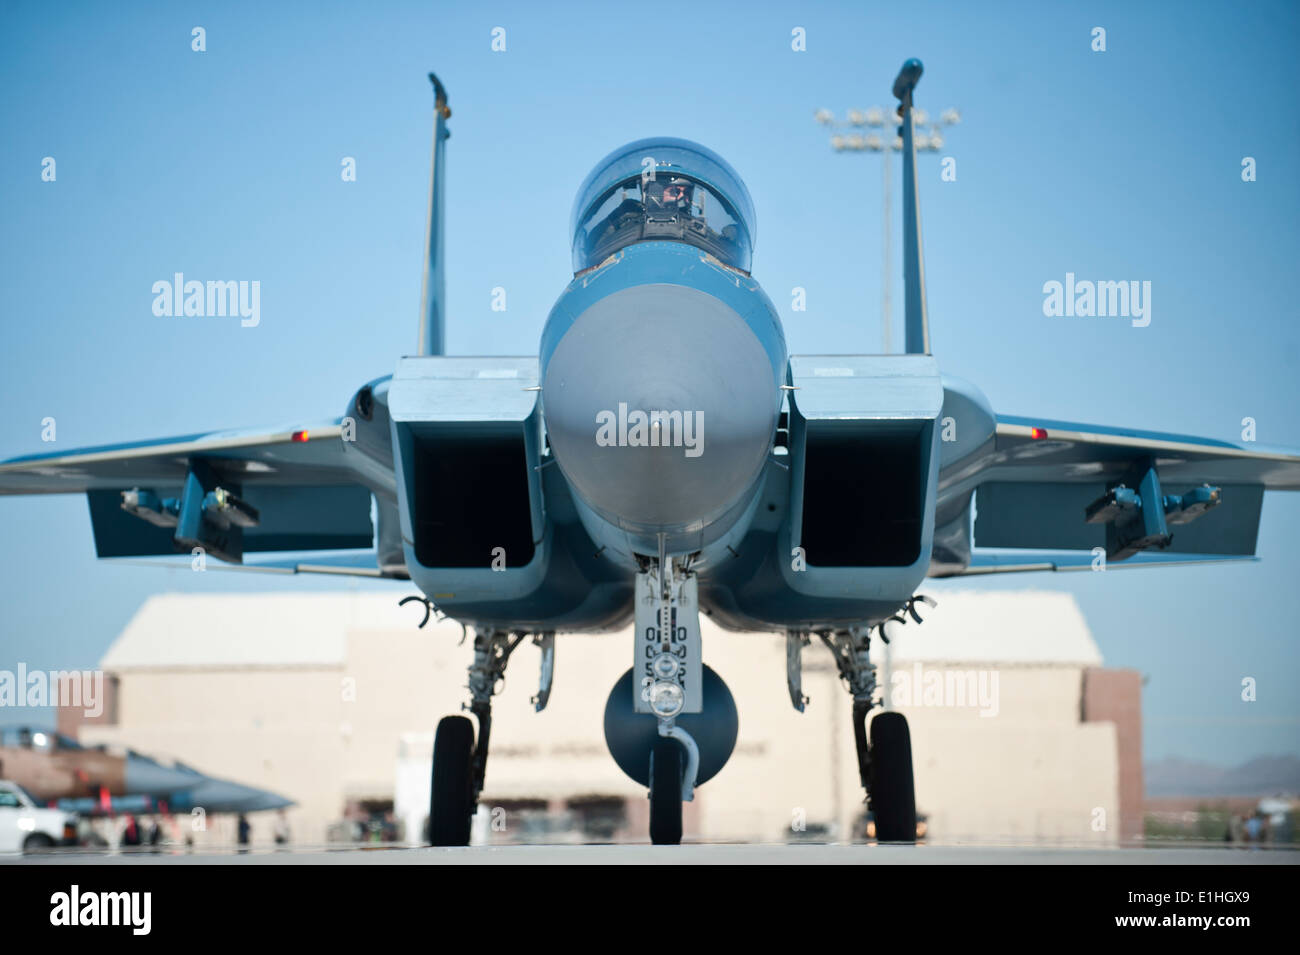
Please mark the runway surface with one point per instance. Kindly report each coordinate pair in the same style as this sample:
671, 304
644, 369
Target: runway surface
690, 855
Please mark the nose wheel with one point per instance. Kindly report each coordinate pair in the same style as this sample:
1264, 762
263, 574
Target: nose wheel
666, 773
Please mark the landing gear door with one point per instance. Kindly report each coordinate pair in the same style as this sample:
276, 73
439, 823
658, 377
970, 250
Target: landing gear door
683, 643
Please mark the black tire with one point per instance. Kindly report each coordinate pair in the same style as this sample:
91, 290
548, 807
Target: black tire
893, 792
666, 793
37, 841
451, 804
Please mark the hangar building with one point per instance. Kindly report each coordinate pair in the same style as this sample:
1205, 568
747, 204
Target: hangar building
330, 699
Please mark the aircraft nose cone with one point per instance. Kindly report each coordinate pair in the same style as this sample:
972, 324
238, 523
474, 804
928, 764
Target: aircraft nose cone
660, 406
222, 795
146, 778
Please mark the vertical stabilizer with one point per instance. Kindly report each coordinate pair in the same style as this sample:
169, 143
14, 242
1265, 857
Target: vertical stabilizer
916, 320
432, 336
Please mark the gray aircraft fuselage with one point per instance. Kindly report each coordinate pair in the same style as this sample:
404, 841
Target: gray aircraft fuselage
660, 418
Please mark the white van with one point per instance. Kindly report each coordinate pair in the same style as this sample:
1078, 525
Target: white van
25, 826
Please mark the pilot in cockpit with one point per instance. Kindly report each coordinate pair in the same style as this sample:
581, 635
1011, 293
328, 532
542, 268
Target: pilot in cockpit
665, 207
664, 199
668, 198
684, 194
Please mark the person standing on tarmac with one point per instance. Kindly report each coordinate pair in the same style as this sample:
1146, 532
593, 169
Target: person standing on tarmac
245, 832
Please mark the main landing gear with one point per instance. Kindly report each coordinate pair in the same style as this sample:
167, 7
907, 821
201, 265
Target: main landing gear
884, 746
459, 760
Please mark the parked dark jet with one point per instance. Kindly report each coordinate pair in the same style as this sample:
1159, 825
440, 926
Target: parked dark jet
663, 455
196, 791
51, 766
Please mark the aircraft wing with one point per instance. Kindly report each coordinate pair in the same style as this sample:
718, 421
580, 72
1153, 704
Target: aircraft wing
290, 489
985, 562
1048, 492
263, 456
1030, 449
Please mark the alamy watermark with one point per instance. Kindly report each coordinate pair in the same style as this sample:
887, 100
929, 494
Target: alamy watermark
126, 909
193, 299
651, 429
920, 687
1087, 299
62, 688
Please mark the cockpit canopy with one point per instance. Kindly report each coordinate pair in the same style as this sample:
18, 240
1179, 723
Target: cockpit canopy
663, 189
42, 741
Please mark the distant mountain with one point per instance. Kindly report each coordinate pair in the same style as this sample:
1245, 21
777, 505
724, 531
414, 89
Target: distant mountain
1261, 776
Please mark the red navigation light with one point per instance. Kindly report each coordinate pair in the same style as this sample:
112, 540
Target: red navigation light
1037, 434
299, 436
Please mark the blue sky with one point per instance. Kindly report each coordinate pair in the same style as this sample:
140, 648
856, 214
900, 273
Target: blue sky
225, 165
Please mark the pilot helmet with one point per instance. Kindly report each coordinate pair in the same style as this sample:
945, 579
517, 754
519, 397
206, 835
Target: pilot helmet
667, 195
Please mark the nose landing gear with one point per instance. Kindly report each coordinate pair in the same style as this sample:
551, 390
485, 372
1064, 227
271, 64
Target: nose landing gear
672, 683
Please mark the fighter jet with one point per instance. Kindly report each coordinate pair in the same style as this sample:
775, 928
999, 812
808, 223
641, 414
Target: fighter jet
662, 456
52, 766
197, 791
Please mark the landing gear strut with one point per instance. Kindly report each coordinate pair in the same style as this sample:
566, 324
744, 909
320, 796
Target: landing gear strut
459, 761
884, 745
671, 683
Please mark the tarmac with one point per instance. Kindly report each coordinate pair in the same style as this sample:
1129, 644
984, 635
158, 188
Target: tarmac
690, 854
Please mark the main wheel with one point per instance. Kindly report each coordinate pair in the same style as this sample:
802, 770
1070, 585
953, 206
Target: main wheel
893, 794
451, 802
666, 793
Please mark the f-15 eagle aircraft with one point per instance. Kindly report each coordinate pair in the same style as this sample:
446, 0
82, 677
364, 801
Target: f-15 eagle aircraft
661, 456
97, 779
52, 766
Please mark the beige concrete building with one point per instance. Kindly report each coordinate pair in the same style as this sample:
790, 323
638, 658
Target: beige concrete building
331, 699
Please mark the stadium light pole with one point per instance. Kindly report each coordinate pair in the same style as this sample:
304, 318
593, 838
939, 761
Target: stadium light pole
884, 135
